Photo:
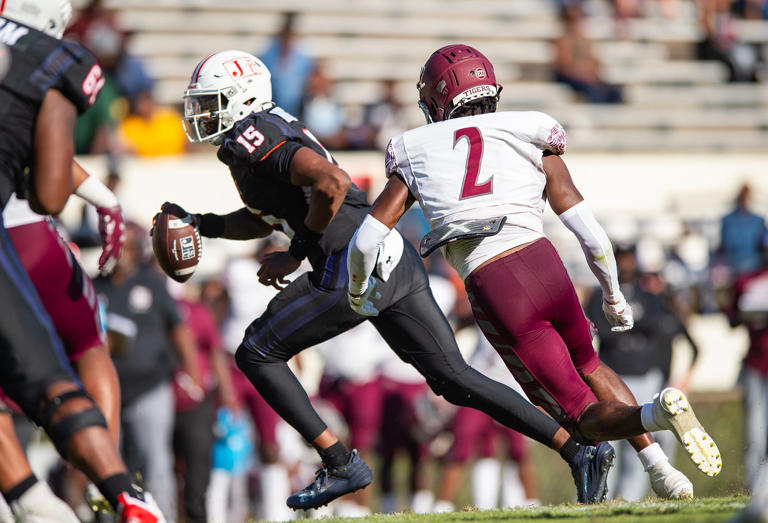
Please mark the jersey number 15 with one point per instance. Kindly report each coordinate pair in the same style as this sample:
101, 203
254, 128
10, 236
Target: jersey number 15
469, 187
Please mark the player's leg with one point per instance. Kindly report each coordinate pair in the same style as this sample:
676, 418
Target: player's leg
418, 332
302, 315
28, 497
526, 305
35, 374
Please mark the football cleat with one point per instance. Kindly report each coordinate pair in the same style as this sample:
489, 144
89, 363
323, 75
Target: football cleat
669, 483
332, 483
136, 510
590, 471
672, 411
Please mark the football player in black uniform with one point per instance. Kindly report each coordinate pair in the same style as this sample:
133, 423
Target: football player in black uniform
48, 83
290, 183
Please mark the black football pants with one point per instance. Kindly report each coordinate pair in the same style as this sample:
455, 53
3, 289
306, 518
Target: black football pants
314, 308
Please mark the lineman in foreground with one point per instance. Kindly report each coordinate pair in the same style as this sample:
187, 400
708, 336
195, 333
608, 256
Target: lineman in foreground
290, 183
482, 179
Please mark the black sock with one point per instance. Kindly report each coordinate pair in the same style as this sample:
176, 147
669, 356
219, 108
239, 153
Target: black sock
115, 485
336, 455
569, 450
19, 489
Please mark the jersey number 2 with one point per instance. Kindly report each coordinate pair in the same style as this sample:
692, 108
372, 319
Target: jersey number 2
469, 187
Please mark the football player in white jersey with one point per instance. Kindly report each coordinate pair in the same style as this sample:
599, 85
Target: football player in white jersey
482, 179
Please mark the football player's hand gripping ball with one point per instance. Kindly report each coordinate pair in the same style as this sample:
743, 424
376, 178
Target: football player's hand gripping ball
619, 315
362, 304
112, 232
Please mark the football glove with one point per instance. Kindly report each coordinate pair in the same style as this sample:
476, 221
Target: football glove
619, 315
362, 304
112, 232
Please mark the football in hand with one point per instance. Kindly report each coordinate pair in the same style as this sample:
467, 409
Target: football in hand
177, 245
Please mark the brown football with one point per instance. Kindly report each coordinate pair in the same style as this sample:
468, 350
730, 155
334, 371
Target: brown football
177, 245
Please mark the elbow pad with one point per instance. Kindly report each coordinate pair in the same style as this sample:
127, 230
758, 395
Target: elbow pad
363, 251
596, 246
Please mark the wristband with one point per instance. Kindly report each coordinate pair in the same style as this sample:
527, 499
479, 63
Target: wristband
211, 225
303, 241
96, 193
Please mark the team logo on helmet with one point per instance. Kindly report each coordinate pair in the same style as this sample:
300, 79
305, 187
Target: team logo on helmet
479, 73
242, 67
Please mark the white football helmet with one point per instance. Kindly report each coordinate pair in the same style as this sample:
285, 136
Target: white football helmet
224, 88
48, 16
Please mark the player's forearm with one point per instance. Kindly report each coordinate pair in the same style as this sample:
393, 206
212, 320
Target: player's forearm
238, 225
327, 196
363, 251
596, 246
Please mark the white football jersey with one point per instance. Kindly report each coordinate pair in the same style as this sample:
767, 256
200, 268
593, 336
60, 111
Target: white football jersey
478, 167
18, 212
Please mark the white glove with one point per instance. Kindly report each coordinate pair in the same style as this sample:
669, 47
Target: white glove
362, 304
619, 314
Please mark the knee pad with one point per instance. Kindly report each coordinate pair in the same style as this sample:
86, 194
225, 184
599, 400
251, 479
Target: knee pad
61, 431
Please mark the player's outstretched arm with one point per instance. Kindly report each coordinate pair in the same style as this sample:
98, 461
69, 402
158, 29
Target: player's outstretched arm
391, 204
567, 202
51, 175
241, 224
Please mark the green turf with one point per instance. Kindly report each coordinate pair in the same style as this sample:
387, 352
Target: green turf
699, 510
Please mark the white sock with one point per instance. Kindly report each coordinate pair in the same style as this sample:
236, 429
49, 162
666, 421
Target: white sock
486, 479
275, 487
442, 506
651, 455
39, 503
647, 419
422, 501
512, 491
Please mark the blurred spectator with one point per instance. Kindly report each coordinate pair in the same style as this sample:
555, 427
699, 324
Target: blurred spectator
720, 42
248, 299
743, 235
576, 63
383, 119
321, 113
195, 414
641, 357
290, 66
144, 330
151, 130
351, 384
750, 9
125, 76
476, 434
750, 308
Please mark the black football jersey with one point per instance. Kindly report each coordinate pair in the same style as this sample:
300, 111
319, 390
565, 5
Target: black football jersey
259, 151
39, 62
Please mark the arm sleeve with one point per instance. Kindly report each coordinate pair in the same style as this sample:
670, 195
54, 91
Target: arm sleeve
363, 251
596, 246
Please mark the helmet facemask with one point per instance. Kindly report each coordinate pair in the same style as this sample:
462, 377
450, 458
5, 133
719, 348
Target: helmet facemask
206, 115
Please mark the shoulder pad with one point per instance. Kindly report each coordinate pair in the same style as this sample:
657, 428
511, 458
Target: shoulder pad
254, 139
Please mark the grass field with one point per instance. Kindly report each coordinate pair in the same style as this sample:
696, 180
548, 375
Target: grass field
707, 510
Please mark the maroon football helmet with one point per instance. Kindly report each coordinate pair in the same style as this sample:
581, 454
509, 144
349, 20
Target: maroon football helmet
454, 75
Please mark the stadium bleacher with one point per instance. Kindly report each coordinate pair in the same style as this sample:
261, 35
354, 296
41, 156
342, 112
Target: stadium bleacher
672, 100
